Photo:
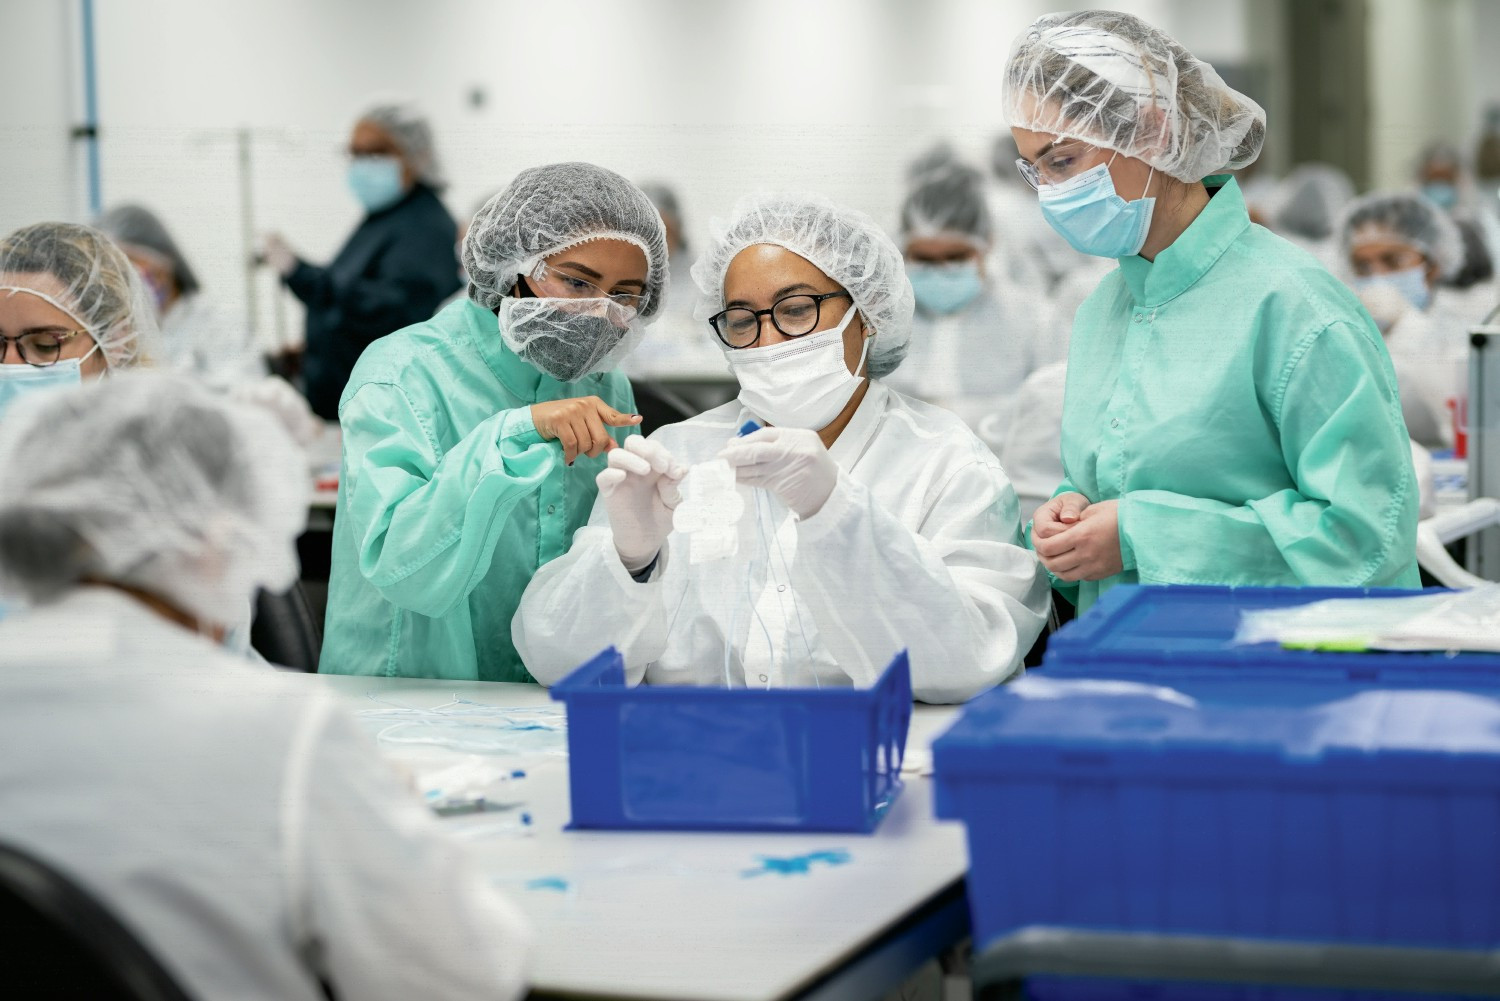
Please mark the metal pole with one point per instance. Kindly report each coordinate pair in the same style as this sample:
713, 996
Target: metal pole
1484, 438
88, 131
247, 230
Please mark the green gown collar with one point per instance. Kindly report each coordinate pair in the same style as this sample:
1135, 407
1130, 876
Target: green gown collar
1188, 259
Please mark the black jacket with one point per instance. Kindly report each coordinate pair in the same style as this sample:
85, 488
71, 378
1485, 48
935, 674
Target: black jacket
395, 270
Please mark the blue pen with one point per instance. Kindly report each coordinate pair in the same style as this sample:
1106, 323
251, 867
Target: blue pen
749, 427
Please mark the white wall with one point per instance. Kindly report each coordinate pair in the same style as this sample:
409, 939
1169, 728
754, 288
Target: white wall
717, 97
1433, 67
41, 172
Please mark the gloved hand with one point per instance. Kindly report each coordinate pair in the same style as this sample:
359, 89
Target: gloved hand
278, 254
792, 463
289, 406
640, 491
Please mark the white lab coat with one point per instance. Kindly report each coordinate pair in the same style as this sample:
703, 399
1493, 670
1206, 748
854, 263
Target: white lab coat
1430, 352
200, 339
918, 547
974, 360
242, 825
1028, 438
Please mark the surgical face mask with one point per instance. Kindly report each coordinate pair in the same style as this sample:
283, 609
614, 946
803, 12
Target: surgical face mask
1088, 213
803, 383
1443, 193
1410, 282
17, 381
569, 338
945, 288
376, 181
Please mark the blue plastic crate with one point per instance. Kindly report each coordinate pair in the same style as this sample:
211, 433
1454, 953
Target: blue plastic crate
659, 757
1100, 989
1186, 632
1311, 813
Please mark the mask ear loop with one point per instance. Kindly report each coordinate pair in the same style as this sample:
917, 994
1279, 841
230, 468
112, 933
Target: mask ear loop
1149, 176
864, 348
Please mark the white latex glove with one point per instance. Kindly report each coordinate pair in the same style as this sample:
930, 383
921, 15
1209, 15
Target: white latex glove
289, 406
792, 463
278, 254
640, 491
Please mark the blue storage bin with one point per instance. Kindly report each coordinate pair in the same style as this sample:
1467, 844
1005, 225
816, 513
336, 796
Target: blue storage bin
1099, 989
1183, 633
659, 757
1317, 812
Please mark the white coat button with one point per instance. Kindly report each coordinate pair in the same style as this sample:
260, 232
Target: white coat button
551, 508
764, 678
781, 587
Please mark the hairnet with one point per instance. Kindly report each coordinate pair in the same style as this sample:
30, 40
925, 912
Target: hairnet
137, 226
1442, 155
548, 209
948, 202
1115, 81
153, 481
938, 157
663, 197
665, 200
1408, 218
1309, 199
845, 245
413, 135
82, 273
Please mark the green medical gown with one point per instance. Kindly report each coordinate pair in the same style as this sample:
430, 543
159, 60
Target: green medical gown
1239, 403
449, 500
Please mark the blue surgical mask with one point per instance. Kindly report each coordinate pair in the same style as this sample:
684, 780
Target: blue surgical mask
1093, 218
945, 288
17, 381
1441, 192
1410, 282
376, 181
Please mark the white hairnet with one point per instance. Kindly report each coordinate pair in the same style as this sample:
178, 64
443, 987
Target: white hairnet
548, 209
1115, 81
82, 273
934, 159
413, 135
844, 244
153, 481
1404, 217
138, 226
948, 201
663, 197
1307, 202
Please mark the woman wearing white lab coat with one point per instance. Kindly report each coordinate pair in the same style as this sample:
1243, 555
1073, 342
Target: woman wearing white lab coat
873, 522
242, 826
976, 334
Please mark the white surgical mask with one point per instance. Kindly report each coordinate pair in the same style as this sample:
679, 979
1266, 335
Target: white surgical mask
803, 383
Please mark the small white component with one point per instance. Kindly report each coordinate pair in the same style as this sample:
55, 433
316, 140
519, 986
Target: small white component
710, 511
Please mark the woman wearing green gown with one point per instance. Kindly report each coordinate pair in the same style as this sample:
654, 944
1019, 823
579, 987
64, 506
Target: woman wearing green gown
471, 441
1231, 415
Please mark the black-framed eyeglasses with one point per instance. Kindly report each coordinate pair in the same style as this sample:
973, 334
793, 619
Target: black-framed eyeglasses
794, 316
38, 348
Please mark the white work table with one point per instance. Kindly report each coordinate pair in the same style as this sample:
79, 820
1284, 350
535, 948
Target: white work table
687, 915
